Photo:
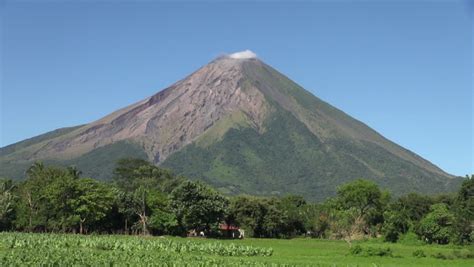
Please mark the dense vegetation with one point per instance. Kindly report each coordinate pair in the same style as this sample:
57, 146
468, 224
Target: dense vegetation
145, 199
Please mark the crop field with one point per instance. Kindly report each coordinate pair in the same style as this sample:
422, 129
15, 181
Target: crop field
22, 249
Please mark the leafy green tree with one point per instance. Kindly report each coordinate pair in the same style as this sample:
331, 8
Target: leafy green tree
260, 217
56, 199
396, 223
464, 212
275, 220
57, 196
436, 226
362, 195
163, 221
293, 215
36, 170
31, 195
346, 223
140, 182
125, 173
7, 200
197, 206
91, 202
366, 199
143, 208
316, 218
33, 210
125, 203
248, 213
130, 174
415, 205
140, 207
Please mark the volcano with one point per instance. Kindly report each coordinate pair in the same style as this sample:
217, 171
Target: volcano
243, 127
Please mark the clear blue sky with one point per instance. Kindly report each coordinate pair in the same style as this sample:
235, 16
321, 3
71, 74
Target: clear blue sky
403, 68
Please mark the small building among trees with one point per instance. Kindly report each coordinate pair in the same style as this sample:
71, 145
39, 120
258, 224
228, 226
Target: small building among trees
231, 231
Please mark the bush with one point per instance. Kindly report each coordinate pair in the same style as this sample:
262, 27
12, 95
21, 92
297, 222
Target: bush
381, 252
356, 250
410, 238
371, 251
442, 256
455, 255
419, 253
463, 255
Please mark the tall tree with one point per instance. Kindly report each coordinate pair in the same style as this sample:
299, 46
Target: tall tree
464, 212
248, 213
436, 226
416, 206
58, 194
293, 209
139, 181
91, 202
396, 222
197, 206
346, 223
130, 174
125, 203
362, 195
140, 207
32, 209
6, 202
262, 217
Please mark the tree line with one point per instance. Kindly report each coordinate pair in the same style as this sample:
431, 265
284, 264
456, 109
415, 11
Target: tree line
145, 199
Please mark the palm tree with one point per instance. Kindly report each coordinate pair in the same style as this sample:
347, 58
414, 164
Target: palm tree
74, 172
35, 169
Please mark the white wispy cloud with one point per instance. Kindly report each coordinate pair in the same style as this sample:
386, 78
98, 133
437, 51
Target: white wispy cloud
243, 55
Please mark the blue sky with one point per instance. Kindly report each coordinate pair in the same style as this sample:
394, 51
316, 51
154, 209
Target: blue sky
405, 69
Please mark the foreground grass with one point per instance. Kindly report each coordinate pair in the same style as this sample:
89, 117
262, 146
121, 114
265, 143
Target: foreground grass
20, 249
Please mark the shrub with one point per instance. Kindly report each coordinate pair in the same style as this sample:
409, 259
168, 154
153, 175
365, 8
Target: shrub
463, 255
381, 252
410, 238
371, 251
356, 250
442, 256
419, 253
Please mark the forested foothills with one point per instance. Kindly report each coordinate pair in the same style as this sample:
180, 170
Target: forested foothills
143, 199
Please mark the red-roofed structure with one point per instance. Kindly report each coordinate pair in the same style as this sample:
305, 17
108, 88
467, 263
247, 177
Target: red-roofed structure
231, 231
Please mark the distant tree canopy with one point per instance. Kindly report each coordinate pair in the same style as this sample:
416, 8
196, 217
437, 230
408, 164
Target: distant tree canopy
145, 199
131, 173
361, 195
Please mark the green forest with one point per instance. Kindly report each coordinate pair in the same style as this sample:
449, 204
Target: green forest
143, 199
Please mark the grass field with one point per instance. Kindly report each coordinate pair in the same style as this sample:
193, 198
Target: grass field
20, 249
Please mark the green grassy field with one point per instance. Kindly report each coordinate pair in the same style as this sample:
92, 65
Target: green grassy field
20, 249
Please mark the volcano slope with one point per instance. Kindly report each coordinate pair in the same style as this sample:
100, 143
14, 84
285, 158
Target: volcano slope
243, 127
